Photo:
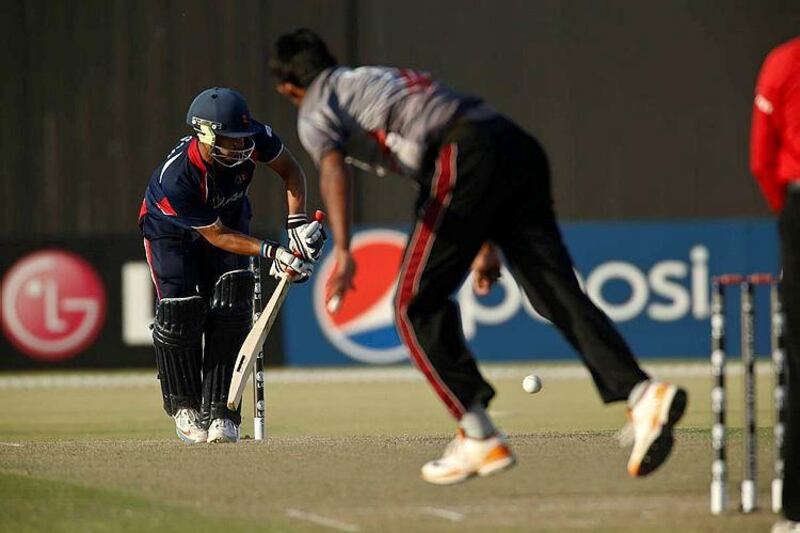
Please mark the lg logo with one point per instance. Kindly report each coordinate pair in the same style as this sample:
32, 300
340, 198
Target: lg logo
54, 305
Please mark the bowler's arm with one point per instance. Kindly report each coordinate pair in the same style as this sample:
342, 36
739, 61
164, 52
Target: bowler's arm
336, 187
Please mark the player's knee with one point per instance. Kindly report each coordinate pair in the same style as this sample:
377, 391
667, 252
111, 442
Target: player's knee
400, 308
231, 301
409, 313
179, 321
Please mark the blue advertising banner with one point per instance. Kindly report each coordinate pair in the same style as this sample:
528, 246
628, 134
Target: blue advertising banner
651, 278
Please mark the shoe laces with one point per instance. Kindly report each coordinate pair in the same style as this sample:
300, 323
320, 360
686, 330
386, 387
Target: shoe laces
225, 425
188, 418
194, 419
627, 434
182, 416
453, 447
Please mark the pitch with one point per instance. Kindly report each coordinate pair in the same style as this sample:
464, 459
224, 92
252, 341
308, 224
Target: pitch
96, 453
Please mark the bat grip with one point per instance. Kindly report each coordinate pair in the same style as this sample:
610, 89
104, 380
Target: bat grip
319, 216
289, 270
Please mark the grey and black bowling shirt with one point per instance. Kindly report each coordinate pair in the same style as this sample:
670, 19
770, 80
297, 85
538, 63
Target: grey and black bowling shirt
383, 119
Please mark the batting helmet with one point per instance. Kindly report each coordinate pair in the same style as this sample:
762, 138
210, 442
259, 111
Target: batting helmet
222, 112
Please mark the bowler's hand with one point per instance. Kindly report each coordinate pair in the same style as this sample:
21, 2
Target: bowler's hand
485, 269
342, 279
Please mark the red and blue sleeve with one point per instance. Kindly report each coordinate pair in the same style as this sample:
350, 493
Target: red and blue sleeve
268, 145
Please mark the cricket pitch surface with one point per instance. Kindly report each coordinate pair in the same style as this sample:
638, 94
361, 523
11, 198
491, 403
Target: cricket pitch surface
95, 452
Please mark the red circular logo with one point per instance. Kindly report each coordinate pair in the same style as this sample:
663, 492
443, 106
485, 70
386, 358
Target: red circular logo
54, 305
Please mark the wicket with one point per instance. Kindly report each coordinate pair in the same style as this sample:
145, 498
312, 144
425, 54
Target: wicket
749, 487
259, 406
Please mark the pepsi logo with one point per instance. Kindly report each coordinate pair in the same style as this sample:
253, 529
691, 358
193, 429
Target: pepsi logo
363, 327
54, 305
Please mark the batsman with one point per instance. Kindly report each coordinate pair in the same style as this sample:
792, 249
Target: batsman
484, 185
195, 220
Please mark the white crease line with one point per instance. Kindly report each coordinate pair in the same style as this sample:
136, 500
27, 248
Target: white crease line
321, 520
560, 372
11, 444
453, 516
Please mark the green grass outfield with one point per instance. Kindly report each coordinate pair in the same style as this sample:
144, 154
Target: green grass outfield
95, 452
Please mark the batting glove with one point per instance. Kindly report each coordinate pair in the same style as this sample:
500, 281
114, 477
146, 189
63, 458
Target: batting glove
306, 238
285, 261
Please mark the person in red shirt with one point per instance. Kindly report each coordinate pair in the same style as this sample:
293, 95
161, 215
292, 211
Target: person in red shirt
775, 135
775, 163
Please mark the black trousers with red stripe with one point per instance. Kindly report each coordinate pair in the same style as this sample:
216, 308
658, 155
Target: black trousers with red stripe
491, 182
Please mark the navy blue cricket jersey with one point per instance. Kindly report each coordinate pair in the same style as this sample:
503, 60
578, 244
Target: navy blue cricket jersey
185, 192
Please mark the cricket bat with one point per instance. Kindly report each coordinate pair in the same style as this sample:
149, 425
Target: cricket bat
255, 339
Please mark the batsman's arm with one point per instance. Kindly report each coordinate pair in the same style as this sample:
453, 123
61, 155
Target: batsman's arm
293, 176
230, 240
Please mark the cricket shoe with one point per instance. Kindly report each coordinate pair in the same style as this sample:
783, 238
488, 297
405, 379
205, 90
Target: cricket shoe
188, 427
223, 430
651, 418
465, 457
786, 526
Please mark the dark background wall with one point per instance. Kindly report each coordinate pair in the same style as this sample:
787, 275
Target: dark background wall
644, 107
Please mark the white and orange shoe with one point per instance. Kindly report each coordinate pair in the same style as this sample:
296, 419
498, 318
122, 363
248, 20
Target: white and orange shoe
465, 458
651, 418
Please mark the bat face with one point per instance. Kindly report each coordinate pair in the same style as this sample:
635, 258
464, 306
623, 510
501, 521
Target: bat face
253, 343
255, 339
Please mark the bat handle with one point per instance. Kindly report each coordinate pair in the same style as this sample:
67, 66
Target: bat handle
319, 216
289, 270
